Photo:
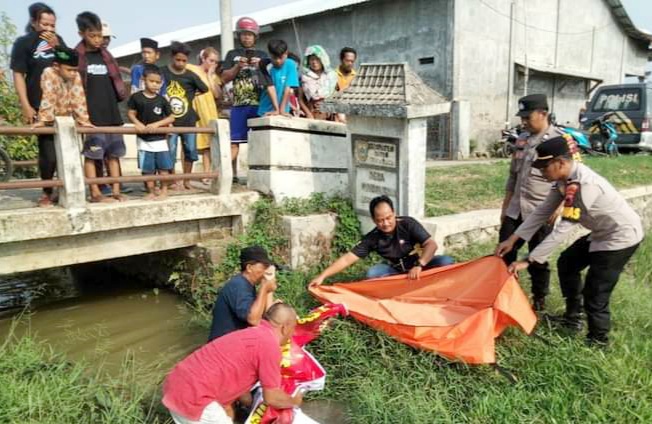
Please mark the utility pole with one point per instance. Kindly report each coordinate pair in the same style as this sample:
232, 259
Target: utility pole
226, 27
510, 64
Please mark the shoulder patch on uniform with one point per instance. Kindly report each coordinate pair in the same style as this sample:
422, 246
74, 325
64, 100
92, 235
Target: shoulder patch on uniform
571, 211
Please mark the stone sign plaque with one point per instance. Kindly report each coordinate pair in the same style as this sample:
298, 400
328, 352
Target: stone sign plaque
376, 162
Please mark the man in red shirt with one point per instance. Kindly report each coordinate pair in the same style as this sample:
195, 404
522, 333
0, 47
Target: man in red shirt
201, 388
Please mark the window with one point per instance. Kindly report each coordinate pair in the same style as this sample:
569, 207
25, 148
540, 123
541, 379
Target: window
626, 99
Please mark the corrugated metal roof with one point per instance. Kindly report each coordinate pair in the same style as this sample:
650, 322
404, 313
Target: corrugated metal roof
623, 19
310, 7
263, 17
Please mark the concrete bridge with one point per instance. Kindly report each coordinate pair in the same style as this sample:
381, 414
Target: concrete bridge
78, 232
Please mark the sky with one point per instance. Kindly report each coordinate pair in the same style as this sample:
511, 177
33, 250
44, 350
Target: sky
131, 19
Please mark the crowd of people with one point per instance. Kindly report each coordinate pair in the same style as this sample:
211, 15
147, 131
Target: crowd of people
85, 82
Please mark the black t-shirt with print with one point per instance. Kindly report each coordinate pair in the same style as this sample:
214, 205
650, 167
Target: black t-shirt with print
100, 93
30, 55
248, 84
149, 110
396, 246
180, 91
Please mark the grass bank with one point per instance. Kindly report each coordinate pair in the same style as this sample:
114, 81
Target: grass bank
559, 378
470, 187
376, 378
42, 386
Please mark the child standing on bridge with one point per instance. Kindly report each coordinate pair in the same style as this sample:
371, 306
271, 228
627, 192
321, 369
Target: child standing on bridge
182, 85
149, 110
104, 89
63, 92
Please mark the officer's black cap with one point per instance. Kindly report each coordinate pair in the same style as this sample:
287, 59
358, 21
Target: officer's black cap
550, 149
148, 43
530, 103
254, 254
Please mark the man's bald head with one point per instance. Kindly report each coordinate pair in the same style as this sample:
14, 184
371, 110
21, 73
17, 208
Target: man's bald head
281, 314
284, 318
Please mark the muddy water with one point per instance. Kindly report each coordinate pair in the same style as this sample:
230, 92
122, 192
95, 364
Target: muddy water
104, 326
154, 325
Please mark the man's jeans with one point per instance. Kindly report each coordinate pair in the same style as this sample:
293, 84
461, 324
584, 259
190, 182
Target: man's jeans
382, 270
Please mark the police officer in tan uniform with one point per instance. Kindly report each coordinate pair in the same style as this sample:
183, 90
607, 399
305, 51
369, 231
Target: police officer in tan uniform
526, 188
592, 202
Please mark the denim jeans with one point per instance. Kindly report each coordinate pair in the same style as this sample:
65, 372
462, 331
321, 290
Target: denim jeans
382, 270
189, 145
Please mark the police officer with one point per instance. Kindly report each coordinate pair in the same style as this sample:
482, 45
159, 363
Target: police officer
616, 231
394, 239
526, 188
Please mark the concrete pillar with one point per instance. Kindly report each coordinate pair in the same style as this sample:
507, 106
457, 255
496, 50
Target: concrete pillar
291, 157
69, 164
221, 157
226, 28
461, 129
412, 168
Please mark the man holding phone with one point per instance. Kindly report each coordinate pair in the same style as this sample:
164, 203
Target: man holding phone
242, 66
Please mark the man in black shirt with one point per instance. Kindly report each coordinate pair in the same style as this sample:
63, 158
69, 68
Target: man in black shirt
394, 239
242, 66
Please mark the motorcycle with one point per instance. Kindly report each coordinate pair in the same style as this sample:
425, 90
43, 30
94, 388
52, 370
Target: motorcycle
507, 143
597, 143
604, 139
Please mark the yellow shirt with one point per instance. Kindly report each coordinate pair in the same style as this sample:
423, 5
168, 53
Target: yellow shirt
205, 106
344, 80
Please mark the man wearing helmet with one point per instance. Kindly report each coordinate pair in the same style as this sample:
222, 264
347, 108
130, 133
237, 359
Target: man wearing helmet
242, 66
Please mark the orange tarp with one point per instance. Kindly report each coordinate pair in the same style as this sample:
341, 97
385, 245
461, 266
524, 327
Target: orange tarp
456, 311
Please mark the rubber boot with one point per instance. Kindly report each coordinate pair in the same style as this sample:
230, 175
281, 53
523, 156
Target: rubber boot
573, 315
538, 303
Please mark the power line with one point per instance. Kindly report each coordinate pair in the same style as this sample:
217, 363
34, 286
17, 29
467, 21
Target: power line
498, 12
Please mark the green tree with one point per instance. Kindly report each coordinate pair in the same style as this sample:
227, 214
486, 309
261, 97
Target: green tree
19, 148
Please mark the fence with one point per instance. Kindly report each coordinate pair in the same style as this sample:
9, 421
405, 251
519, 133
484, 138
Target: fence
71, 181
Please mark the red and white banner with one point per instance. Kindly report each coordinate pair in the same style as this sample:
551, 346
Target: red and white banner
300, 370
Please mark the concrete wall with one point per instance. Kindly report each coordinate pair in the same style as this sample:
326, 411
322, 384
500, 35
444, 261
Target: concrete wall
482, 44
469, 43
381, 31
41, 238
464, 229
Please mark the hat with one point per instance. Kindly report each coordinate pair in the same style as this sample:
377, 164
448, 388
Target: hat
66, 56
148, 43
550, 149
530, 103
106, 30
254, 254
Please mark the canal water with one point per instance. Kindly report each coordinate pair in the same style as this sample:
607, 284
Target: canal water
153, 325
103, 324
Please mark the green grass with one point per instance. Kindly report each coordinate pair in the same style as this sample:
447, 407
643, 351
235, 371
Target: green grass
379, 380
470, 187
38, 385
559, 378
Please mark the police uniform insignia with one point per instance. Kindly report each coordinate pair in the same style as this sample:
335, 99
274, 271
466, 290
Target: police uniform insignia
571, 212
573, 148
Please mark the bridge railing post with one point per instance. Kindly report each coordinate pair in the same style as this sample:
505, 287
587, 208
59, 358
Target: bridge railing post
69, 165
221, 157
